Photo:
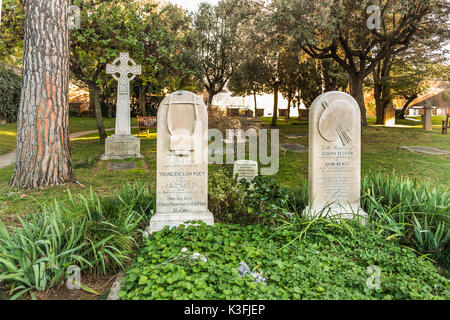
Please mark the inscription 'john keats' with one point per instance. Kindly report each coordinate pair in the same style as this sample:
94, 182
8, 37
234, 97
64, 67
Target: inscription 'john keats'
182, 162
335, 156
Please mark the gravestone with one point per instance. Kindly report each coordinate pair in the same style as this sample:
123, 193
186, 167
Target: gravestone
122, 144
182, 162
427, 117
334, 157
245, 169
389, 116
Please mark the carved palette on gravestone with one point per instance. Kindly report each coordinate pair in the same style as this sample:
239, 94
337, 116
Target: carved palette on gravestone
182, 162
335, 156
245, 169
123, 144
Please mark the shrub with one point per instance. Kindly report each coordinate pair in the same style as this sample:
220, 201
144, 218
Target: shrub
265, 199
258, 202
419, 214
226, 198
207, 263
97, 235
10, 89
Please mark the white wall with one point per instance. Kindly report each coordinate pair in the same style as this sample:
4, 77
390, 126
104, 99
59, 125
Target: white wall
266, 101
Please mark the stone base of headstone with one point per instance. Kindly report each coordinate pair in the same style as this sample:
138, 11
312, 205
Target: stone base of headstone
161, 220
337, 212
122, 147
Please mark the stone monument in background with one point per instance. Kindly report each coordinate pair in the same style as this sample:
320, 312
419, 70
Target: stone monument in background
428, 117
182, 162
334, 157
389, 116
123, 144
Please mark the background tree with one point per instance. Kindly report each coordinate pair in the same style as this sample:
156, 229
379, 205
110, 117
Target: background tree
11, 30
426, 48
413, 76
248, 79
338, 30
217, 42
107, 29
43, 154
291, 73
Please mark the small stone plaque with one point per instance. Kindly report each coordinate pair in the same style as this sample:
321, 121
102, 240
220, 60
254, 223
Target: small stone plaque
297, 148
122, 166
245, 169
427, 150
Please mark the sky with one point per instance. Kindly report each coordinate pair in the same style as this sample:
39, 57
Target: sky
191, 5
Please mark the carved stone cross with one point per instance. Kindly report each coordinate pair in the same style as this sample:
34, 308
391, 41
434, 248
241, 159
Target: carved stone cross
121, 66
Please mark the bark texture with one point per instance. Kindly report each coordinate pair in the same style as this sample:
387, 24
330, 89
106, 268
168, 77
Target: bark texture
43, 153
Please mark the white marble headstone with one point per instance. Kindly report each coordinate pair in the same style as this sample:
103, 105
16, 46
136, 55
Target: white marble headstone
182, 162
334, 156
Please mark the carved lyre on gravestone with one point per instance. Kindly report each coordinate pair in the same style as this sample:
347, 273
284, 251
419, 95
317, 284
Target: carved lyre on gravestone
335, 157
123, 144
182, 162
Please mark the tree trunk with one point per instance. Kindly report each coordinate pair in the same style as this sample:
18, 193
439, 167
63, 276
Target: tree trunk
356, 91
91, 100
43, 153
275, 107
256, 106
109, 105
288, 115
211, 95
142, 100
382, 87
377, 89
98, 113
407, 104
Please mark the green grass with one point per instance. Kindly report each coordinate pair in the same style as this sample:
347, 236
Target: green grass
380, 153
8, 132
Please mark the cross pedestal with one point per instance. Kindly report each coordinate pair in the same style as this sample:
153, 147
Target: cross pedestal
123, 144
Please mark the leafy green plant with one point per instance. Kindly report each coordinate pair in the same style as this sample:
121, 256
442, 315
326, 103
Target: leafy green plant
226, 198
98, 235
315, 268
400, 207
265, 199
426, 239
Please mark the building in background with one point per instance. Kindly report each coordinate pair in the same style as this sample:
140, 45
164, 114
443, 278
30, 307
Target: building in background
235, 106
